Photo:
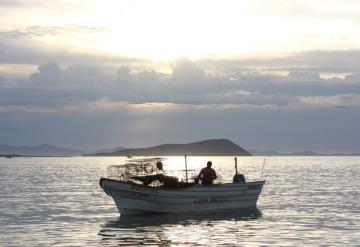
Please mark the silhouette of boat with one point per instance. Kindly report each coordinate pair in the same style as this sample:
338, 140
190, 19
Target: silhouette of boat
132, 197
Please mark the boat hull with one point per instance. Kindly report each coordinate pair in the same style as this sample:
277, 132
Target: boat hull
138, 199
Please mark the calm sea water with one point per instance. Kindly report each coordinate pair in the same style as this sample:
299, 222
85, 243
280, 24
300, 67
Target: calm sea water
306, 201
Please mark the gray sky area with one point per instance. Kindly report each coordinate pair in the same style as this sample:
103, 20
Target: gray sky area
62, 82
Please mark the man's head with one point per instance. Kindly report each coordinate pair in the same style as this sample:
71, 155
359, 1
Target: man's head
159, 165
209, 164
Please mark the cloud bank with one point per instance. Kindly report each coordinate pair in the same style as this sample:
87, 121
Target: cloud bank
189, 83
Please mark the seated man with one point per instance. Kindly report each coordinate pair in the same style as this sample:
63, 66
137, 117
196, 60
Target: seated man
160, 168
207, 174
168, 181
159, 175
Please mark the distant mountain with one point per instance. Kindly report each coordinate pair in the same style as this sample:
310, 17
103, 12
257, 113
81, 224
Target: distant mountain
215, 147
264, 153
342, 154
40, 150
105, 150
304, 153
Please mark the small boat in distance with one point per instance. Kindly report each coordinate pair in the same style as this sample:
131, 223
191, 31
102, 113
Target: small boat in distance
133, 197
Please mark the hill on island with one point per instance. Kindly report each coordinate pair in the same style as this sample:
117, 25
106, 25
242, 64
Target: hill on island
214, 147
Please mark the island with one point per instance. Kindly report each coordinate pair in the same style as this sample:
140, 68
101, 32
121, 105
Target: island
213, 147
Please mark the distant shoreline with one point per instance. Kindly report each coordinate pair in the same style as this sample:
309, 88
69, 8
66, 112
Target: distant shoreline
33, 156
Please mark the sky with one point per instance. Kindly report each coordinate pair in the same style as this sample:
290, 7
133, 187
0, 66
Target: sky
268, 75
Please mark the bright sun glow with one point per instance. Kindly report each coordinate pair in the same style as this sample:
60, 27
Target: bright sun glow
167, 29
164, 30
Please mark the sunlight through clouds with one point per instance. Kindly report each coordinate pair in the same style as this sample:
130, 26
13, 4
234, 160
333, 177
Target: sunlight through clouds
164, 30
202, 28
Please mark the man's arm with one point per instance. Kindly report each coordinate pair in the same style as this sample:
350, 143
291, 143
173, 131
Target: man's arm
214, 175
200, 173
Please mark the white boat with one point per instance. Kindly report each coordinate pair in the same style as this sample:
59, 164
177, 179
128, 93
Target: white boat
131, 198
172, 196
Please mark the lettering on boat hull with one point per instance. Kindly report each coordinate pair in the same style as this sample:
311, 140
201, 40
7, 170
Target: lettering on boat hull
143, 188
216, 199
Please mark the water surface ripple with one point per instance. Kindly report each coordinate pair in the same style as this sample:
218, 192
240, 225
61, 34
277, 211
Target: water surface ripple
308, 201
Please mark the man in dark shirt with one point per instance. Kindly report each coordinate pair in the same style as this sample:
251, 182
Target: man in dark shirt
207, 174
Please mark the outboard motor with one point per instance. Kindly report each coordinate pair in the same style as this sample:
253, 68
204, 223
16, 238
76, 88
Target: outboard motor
238, 178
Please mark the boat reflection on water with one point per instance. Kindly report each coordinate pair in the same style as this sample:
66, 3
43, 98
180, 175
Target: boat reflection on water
173, 219
182, 229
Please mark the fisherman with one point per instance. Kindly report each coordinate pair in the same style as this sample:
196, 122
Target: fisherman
158, 174
207, 174
160, 168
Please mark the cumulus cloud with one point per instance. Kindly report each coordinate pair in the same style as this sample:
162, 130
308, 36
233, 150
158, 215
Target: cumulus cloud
188, 84
72, 77
186, 70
